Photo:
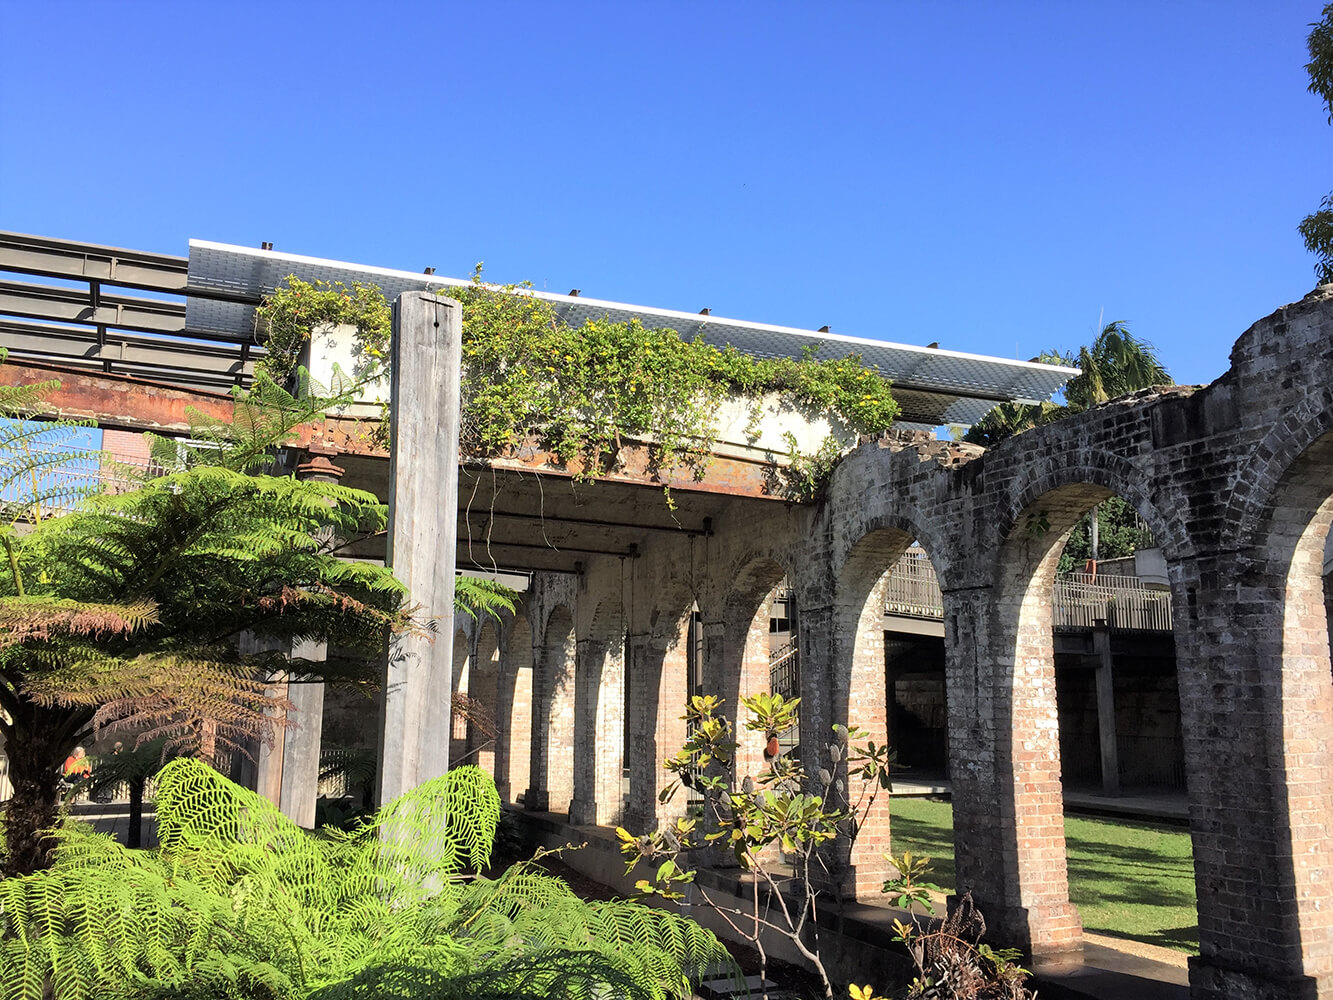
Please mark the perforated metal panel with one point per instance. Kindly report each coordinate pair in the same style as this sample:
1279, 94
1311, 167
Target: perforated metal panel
934, 386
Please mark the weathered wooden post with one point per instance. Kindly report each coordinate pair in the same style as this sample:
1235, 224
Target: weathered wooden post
423, 511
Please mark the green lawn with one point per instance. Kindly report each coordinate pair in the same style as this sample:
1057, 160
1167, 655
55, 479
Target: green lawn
1128, 879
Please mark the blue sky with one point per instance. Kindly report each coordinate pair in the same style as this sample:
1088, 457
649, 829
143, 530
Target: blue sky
988, 176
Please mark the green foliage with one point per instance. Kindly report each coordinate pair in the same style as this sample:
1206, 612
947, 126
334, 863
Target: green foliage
297, 309
781, 807
1317, 229
239, 902
581, 393
130, 606
1115, 363
952, 962
1320, 66
477, 597
1119, 533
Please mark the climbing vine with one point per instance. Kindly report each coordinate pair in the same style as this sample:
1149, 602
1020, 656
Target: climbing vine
583, 392
288, 318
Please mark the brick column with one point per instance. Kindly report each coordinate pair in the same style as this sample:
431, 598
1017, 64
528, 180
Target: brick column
657, 678
513, 711
598, 732
551, 781
857, 682
1004, 763
1257, 716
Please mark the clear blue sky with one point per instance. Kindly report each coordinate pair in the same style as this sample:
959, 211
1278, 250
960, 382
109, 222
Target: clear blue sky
987, 175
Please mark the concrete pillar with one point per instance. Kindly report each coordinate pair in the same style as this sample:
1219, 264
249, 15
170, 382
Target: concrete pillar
1004, 762
291, 775
301, 742
1106, 727
423, 501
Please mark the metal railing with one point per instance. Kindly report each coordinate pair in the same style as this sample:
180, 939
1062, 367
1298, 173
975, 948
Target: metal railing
784, 678
1079, 599
62, 475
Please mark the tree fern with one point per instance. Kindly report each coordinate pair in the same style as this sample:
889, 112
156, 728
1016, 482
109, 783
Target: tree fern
239, 902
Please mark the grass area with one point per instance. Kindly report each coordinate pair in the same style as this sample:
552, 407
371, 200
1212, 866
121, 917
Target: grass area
1128, 879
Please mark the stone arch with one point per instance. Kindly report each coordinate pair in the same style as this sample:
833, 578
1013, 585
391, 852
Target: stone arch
552, 767
860, 693
1027, 869
1063, 485
599, 721
514, 709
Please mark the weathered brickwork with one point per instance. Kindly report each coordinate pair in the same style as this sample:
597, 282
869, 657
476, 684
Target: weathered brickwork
1235, 480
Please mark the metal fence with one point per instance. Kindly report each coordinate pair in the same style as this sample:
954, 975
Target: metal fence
1079, 599
62, 475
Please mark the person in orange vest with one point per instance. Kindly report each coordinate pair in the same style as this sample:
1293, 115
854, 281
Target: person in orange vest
77, 765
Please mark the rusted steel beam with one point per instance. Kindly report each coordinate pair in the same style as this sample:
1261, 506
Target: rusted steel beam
127, 403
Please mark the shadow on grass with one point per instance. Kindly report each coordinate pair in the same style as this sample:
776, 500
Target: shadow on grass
1129, 880
926, 837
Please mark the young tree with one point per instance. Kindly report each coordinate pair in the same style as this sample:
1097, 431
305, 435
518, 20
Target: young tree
752, 816
125, 612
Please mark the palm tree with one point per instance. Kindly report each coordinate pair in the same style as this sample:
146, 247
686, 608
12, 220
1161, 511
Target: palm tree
1115, 363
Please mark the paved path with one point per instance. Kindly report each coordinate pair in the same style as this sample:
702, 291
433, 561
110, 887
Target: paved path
114, 818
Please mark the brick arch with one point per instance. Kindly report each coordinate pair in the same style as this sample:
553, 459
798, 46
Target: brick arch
461, 661
607, 624
859, 686
461, 677
658, 686
671, 603
483, 693
736, 660
1094, 471
514, 705
895, 512
559, 622
1017, 627
1288, 632
1260, 481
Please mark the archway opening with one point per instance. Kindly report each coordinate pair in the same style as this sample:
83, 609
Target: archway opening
889, 680
750, 647
480, 707
663, 670
1090, 764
